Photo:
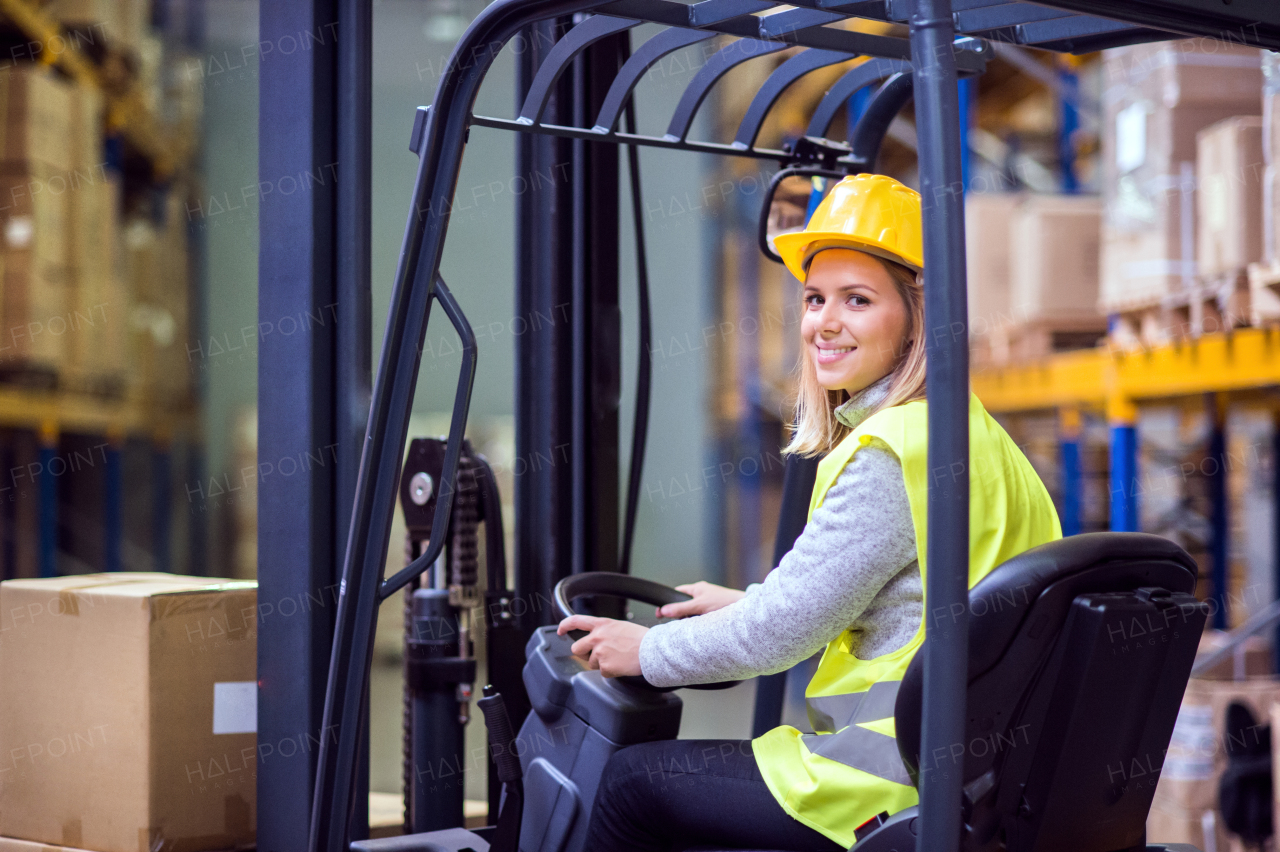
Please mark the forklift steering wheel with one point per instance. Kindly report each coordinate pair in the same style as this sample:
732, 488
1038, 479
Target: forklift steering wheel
618, 585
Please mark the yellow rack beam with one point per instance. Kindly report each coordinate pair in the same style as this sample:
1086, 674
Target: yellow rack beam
63, 411
1245, 359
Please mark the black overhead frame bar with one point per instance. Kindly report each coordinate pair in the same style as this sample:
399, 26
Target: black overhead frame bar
298, 543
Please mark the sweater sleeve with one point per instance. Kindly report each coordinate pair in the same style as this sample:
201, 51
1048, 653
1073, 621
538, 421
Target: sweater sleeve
857, 541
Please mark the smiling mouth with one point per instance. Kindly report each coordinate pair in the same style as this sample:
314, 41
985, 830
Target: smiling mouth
828, 355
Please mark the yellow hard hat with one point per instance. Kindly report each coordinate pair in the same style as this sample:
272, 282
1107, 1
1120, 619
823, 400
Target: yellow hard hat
871, 213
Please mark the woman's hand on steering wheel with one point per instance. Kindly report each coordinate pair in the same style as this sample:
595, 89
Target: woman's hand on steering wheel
612, 646
707, 597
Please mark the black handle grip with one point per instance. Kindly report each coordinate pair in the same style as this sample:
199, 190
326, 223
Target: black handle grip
502, 738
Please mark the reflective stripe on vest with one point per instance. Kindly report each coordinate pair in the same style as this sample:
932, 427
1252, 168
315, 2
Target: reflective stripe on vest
840, 737
849, 770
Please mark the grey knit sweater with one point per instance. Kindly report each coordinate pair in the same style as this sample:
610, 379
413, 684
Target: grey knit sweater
854, 566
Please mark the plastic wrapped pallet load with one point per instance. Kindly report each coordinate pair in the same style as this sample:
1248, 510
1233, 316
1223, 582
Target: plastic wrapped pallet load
1229, 172
1157, 98
1271, 153
1264, 277
162, 351
1185, 808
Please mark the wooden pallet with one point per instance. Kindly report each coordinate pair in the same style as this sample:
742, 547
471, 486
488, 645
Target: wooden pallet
1264, 293
103, 386
28, 375
1213, 305
1014, 343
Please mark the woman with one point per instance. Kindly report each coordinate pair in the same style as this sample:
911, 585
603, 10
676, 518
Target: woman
853, 582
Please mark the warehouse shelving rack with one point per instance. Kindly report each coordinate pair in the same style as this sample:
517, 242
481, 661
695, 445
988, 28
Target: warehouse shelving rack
52, 412
167, 149
312, 111
1242, 364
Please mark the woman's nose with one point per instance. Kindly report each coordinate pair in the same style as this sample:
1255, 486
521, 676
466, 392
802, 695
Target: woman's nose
829, 316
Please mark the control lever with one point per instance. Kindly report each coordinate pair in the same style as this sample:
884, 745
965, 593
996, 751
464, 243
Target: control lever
502, 742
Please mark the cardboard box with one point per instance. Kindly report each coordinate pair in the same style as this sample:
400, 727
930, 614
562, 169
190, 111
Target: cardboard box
1229, 180
36, 108
1186, 72
1033, 276
98, 312
988, 218
1156, 99
127, 712
88, 122
1054, 256
34, 275
115, 24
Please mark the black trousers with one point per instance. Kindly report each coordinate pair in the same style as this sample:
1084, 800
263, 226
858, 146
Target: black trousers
677, 794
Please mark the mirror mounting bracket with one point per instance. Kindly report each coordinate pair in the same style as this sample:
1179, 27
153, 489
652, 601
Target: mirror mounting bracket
815, 151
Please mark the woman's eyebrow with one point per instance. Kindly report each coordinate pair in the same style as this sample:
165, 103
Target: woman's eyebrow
843, 288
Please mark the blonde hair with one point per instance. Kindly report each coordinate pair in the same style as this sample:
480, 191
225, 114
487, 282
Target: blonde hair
816, 430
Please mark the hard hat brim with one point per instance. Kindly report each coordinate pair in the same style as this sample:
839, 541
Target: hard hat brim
793, 248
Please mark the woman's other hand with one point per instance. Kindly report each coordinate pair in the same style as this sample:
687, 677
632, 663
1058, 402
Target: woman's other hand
612, 646
707, 597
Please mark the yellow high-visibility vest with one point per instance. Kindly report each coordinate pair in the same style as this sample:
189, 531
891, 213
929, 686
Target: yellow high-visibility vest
849, 771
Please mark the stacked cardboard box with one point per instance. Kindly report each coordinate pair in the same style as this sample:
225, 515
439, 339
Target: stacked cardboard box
1033, 275
1157, 98
128, 712
97, 311
36, 183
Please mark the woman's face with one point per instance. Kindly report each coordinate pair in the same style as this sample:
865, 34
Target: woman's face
854, 322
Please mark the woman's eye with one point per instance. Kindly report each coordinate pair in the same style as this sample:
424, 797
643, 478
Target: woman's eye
859, 301
813, 301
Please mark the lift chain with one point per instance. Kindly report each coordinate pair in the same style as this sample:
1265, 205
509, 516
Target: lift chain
464, 550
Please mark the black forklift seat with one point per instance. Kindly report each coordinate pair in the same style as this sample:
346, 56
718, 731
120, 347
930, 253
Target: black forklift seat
1079, 652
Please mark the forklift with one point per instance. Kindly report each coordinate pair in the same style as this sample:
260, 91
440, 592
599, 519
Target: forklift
1044, 668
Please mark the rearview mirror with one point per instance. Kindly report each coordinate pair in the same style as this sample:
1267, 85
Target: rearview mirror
793, 195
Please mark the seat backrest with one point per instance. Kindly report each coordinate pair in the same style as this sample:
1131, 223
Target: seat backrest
1079, 652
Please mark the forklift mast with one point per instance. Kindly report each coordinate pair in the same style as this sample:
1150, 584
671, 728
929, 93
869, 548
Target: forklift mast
574, 88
